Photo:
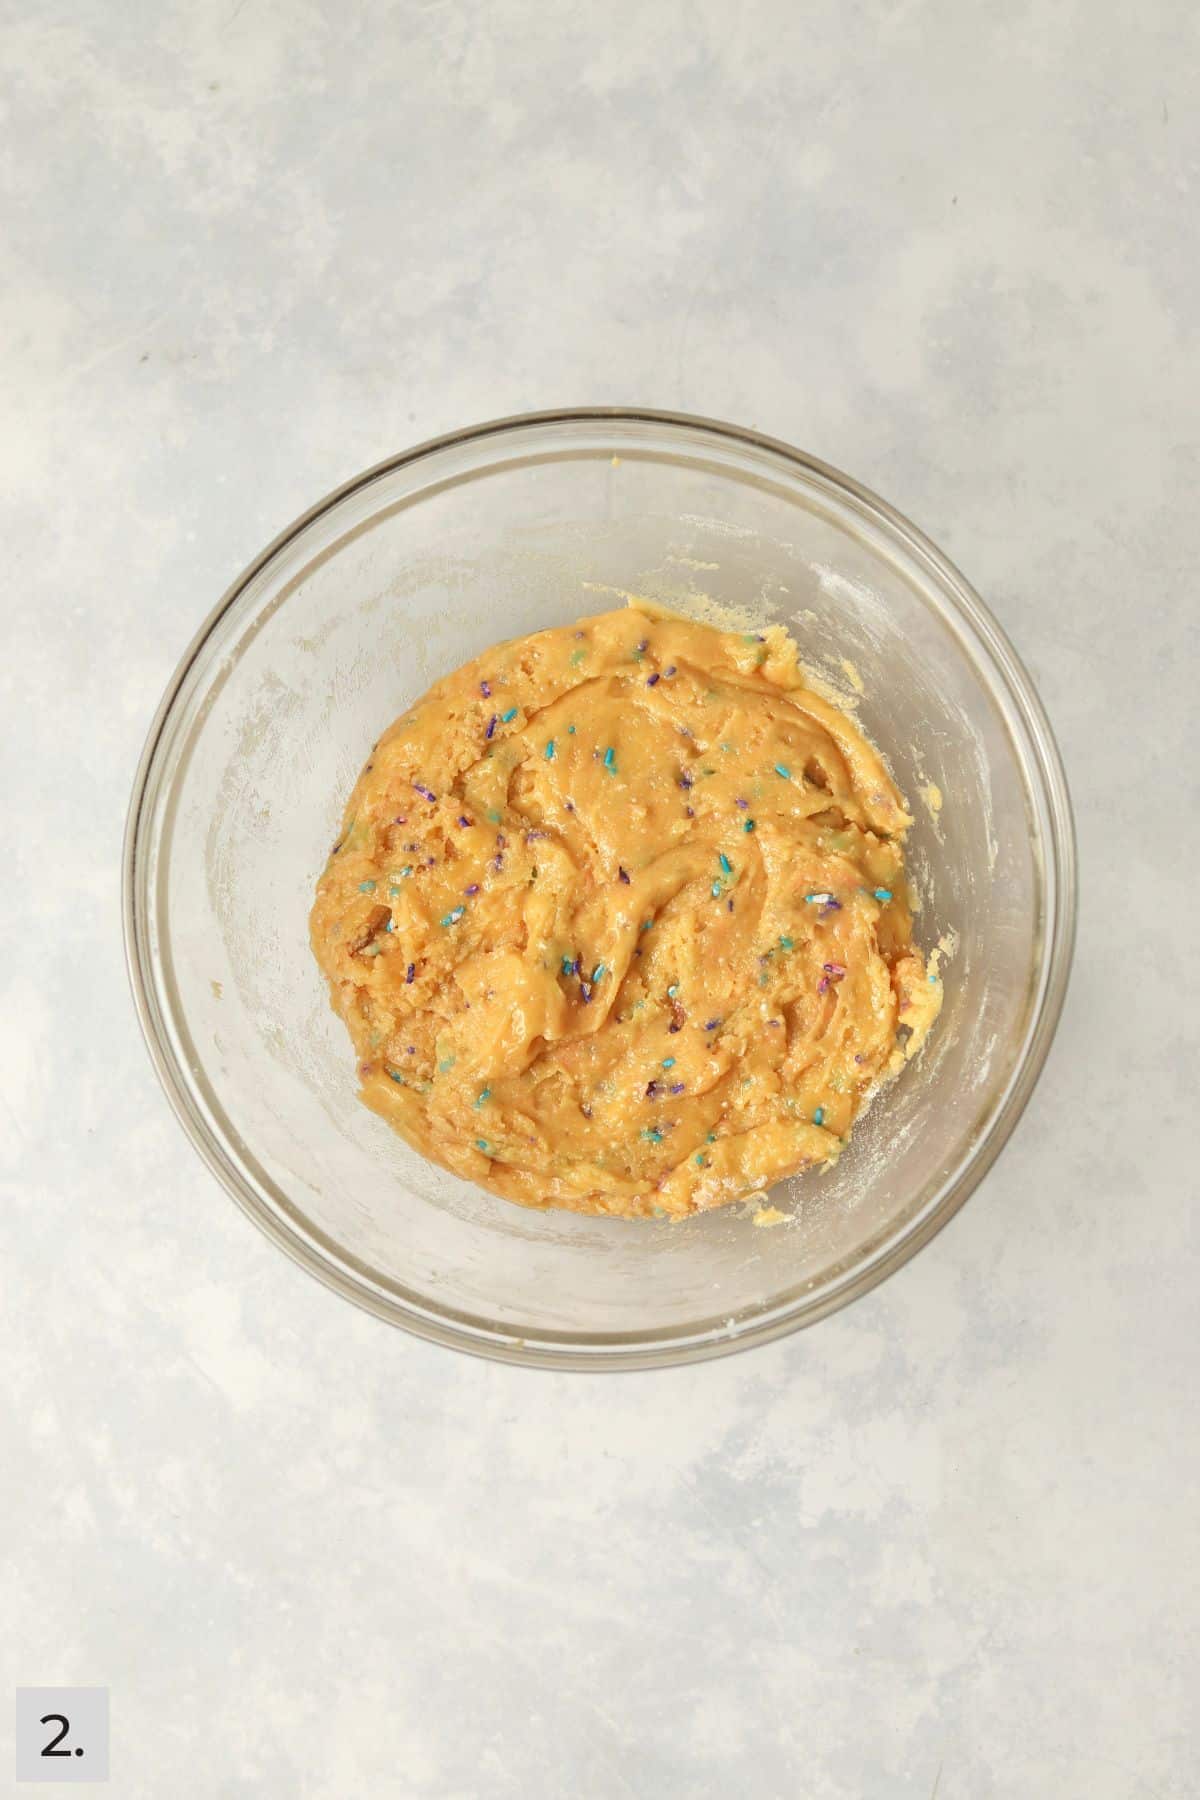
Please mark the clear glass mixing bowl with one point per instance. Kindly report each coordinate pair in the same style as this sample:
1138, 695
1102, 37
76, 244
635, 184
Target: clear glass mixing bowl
400, 576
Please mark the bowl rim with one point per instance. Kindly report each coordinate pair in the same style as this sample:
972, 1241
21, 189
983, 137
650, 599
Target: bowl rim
618, 1352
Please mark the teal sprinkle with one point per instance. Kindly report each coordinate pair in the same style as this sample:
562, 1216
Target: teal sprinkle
398, 1079
883, 893
392, 892
570, 731
933, 981
749, 825
482, 1144
366, 887
716, 890
610, 759
711, 1138
672, 990
508, 717
568, 965
484, 1094
781, 770
599, 972
452, 918
725, 863
668, 1062
446, 1064
819, 1116
390, 926
655, 1137
647, 924
550, 751
786, 943
493, 816
699, 1158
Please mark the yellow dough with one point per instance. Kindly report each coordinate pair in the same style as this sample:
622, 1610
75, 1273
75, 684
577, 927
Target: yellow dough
618, 919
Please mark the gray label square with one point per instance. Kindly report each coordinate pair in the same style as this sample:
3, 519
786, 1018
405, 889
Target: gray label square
45, 1752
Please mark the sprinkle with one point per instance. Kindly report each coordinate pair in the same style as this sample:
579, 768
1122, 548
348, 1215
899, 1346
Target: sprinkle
484, 1094
492, 724
858, 1057
883, 893
819, 1116
647, 924
672, 990
748, 825
730, 905
699, 1158
400, 819
410, 973
685, 780
610, 759
424, 792
835, 970
819, 899
689, 812
585, 993
622, 876
446, 1064
599, 972
453, 916
570, 731
712, 1024
716, 890
785, 772
742, 803
550, 750
668, 1062
674, 1026
366, 887
655, 1137
390, 926
643, 646
678, 1088
396, 1076
508, 717
485, 689
568, 966
473, 889
669, 672
653, 1089
463, 821
482, 1144
653, 680
711, 1138
725, 863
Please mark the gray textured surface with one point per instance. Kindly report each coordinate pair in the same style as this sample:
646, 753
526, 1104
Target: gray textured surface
946, 1543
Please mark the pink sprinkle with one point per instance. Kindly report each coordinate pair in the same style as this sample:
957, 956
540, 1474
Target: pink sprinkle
400, 819
834, 969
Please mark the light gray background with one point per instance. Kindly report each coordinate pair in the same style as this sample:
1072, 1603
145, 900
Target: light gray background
946, 1543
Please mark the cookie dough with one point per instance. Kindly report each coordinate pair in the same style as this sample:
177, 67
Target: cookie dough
618, 919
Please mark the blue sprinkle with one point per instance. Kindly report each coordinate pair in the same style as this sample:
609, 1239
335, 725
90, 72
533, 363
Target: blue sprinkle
610, 758
568, 966
366, 887
453, 917
508, 717
668, 1062
781, 770
390, 926
883, 893
725, 863
485, 1094
716, 890
482, 1144
570, 731
550, 750
749, 825
819, 1116
655, 1137
599, 972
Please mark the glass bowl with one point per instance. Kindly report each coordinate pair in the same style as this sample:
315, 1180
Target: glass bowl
355, 609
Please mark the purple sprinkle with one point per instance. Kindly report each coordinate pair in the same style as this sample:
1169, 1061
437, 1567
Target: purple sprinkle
411, 1051
485, 689
652, 680
473, 889
834, 969
653, 1090
858, 1058
689, 812
670, 671
585, 993
673, 1028
400, 819
411, 973
677, 1088
832, 905
729, 904
532, 836
622, 876
685, 780
643, 646
492, 724
570, 806
424, 792
463, 820
759, 638
501, 841
712, 1024
742, 803
498, 861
